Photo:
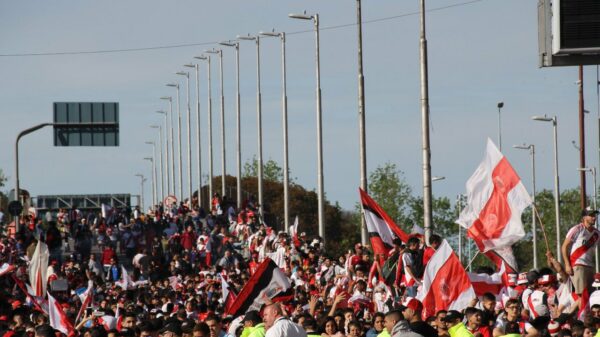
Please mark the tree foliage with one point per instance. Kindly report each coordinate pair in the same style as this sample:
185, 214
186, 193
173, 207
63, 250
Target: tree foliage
271, 170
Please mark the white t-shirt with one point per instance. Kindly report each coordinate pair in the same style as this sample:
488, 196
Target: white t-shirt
582, 253
284, 327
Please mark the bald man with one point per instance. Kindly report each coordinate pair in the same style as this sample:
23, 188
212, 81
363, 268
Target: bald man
278, 325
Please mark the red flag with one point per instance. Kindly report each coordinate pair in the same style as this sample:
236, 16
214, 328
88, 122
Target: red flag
38, 269
484, 283
446, 285
382, 229
496, 198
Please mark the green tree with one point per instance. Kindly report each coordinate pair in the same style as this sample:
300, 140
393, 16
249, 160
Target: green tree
271, 170
444, 215
3, 178
389, 189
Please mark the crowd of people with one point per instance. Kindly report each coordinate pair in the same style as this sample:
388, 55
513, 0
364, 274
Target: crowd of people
178, 261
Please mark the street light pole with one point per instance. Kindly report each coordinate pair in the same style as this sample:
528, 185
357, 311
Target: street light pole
320, 189
427, 211
172, 141
531, 149
223, 166
258, 121
160, 162
142, 180
554, 121
151, 160
209, 117
284, 118
500, 106
179, 149
592, 170
198, 132
189, 135
361, 119
238, 139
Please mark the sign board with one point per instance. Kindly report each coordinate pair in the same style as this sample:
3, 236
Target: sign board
15, 208
86, 124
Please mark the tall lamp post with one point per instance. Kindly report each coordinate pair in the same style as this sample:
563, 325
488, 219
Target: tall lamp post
361, 119
531, 149
284, 118
170, 128
189, 134
142, 180
592, 170
162, 194
500, 106
151, 160
196, 67
179, 148
258, 120
320, 190
556, 184
223, 166
209, 117
238, 137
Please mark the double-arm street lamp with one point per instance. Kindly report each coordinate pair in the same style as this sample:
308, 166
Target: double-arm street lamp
189, 134
162, 193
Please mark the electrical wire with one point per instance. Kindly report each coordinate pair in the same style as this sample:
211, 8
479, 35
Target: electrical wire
127, 50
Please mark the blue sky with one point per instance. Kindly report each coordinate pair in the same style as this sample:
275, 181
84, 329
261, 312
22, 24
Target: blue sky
480, 53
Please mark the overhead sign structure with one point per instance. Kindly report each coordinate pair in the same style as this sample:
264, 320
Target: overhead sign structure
86, 124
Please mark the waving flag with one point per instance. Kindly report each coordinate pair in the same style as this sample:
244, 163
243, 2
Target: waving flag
496, 198
86, 299
58, 318
446, 285
267, 282
381, 228
484, 283
38, 269
293, 231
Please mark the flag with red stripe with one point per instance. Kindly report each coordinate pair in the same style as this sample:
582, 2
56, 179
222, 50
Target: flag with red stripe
86, 299
380, 226
38, 269
484, 283
446, 285
496, 198
57, 317
268, 282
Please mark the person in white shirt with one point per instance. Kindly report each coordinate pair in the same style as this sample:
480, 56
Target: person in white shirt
278, 325
578, 250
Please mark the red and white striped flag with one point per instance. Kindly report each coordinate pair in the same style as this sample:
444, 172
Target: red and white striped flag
6, 268
38, 269
484, 283
446, 285
58, 318
294, 233
381, 228
496, 198
86, 299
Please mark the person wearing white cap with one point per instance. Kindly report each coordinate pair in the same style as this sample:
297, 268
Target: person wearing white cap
595, 296
578, 250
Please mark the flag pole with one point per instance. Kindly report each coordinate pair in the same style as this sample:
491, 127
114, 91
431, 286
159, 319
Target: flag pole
473, 259
541, 226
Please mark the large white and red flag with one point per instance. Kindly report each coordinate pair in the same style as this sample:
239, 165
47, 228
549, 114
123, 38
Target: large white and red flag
496, 198
38, 269
484, 283
380, 226
58, 318
446, 285
293, 231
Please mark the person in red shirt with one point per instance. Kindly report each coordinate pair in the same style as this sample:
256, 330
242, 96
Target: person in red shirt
107, 255
188, 239
434, 242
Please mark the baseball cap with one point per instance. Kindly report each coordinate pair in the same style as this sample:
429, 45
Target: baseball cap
596, 280
411, 303
522, 279
589, 211
453, 315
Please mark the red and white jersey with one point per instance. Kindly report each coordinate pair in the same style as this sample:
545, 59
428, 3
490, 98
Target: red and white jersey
584, 240
536, 299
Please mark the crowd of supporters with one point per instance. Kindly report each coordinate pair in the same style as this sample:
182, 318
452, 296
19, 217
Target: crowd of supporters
177, 261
